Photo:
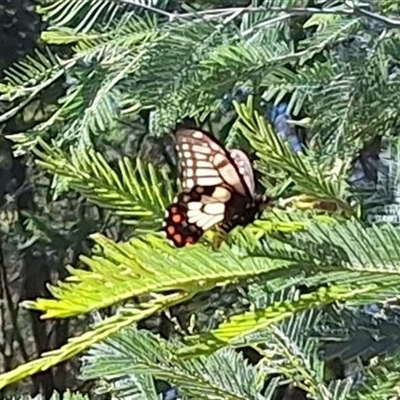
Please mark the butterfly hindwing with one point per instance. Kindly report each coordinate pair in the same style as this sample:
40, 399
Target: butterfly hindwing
245, 169
178, 228
194, 211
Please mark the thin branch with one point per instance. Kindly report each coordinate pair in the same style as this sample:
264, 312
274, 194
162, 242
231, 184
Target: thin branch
390, 22
35, 92
295, 11
268, 22
292, 11
146, 7
13, 312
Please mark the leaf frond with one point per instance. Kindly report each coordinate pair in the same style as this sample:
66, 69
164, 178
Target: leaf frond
254, 321
136, 195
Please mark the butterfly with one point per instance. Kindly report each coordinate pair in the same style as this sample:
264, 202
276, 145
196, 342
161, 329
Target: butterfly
218, 188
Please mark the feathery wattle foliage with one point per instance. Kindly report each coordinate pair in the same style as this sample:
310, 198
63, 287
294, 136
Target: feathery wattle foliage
304, 87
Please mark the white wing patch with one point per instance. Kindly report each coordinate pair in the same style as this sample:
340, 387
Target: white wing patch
208, 181
214, 208
210, 210
219, 159
201, 149
209, 216
194, 206
199, 164
206, 172
222, 194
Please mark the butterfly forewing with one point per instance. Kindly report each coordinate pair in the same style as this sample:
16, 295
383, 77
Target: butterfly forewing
204, 162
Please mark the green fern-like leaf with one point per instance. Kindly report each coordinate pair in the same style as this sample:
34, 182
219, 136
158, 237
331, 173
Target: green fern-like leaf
136, 195
254, 321
317, 181
224, 375
146, 266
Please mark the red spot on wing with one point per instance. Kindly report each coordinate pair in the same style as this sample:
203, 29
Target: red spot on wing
177, 218
178, 238
177, 227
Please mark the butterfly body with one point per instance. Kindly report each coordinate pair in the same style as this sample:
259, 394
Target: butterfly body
243, 212
217, 189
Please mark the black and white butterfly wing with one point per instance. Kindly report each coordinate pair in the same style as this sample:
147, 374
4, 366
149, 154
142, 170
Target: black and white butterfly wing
193, 212
204, 162
217, 187
245, 169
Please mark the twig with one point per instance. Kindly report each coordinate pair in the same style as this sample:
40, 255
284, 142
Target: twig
155, 10
295, 11
13, 312
390, 22
353, 10
35, 92
266, 23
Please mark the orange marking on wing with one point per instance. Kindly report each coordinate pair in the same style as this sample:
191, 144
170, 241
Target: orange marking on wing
178, 238
171, 230
177, 218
